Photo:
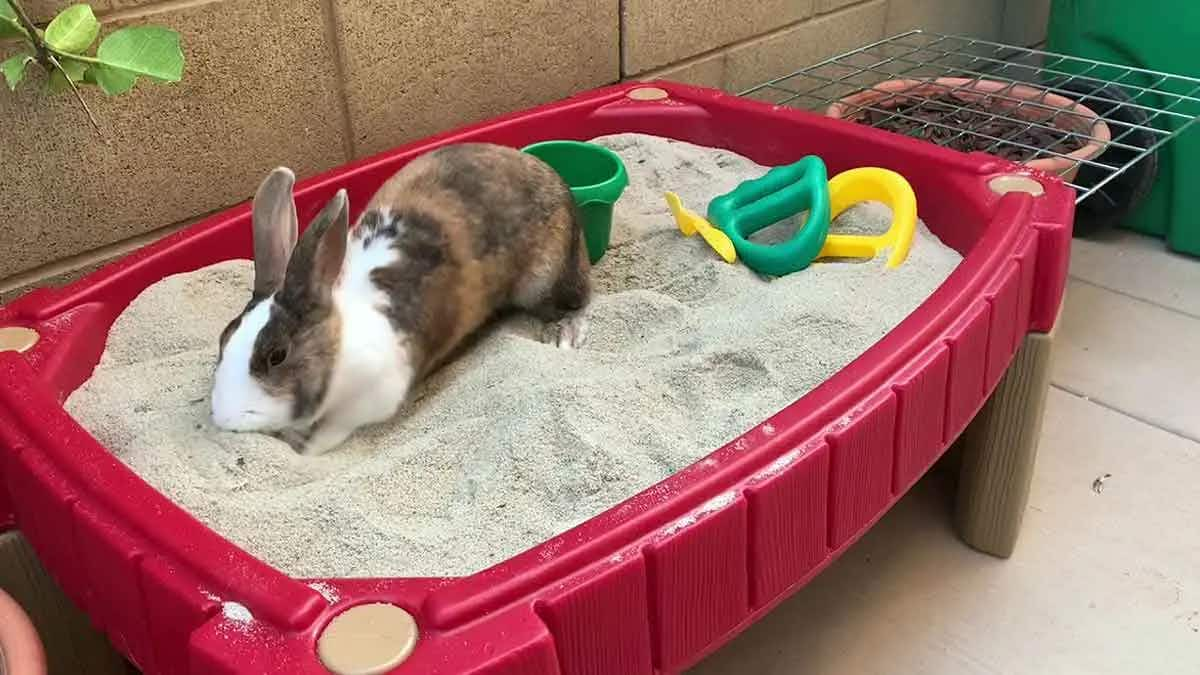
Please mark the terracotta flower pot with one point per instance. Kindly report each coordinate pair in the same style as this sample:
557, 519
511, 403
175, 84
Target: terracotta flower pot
21, 651
1081, 119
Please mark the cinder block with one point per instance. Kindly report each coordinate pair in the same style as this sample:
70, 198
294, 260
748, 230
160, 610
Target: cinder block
44, 10
826, 6
708, 71
972, 18
741, 67
64, 271
661, 32
415, 68
53, 275
258, 90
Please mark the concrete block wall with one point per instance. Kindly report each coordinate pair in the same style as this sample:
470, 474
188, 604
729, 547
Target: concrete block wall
313, 84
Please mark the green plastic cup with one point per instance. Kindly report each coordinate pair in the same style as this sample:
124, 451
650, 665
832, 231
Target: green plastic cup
596, 177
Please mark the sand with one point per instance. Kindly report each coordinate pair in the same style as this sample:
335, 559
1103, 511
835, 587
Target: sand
517, 440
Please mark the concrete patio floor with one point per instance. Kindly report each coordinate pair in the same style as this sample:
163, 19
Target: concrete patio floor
1105, 579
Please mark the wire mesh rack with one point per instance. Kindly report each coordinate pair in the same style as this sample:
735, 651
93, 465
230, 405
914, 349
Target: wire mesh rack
1089, 121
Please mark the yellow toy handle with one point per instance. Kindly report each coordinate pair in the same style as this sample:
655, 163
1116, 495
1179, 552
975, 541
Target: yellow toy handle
872, 184
690, 223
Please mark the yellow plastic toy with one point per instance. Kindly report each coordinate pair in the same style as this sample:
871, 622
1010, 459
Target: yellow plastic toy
872, 184
845, 189
691, 222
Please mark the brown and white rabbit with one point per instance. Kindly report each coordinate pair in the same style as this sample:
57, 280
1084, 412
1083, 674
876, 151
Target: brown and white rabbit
341, 325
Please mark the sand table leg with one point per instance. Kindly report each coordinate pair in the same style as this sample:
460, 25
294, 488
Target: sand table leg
71, 644
999, 450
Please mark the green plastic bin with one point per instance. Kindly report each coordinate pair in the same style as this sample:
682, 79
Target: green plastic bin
1164, 36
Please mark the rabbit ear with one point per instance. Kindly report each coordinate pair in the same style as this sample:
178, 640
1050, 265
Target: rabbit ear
317, 261
275, 230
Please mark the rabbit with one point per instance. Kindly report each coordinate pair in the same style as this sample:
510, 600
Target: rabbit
343, 323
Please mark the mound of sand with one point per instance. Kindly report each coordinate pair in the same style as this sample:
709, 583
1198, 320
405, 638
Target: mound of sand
516, 441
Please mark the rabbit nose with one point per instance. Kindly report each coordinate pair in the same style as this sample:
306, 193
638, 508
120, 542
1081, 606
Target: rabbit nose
226, 416
245, 420
222, 419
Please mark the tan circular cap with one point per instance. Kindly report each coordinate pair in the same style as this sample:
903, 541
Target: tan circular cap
1002, 185
367, 639
647, 94
17, 338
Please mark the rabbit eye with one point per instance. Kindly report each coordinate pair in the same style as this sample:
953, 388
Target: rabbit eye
277, 356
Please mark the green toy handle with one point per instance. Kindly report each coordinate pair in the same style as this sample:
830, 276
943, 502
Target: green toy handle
782, 192
760, 200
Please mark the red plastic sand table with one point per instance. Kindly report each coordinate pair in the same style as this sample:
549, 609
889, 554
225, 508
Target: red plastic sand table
649, 586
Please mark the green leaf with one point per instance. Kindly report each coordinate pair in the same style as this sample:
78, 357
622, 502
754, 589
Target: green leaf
73, 30
9, 25
152, 51
14, 69
112, 80
57, 83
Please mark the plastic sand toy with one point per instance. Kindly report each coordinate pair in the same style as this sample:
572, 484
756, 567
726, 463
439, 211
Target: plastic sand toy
691, 222
783, 192
872, 184
596, 177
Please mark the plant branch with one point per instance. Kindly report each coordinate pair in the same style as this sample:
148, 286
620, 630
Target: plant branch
10, 22
47, 56
78, 95
75, 57
43, 51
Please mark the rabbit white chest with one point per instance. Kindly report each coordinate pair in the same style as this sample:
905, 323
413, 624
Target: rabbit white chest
373, 369
364, 255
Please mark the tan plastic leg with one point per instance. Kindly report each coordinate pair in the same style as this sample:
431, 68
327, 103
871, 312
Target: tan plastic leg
71, 644
999, 449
